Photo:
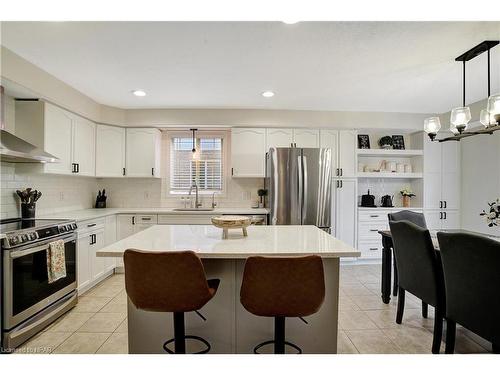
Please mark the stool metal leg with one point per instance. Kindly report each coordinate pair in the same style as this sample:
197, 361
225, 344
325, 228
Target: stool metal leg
179, 333
279, 335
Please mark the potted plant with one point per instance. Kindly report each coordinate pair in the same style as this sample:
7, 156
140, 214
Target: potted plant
261, 193
406, 193
493, 214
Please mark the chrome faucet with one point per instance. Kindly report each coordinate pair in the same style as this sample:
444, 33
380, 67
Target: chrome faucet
197, 202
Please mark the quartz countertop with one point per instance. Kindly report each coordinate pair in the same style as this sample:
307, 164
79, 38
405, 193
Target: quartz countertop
95, 213
207, 242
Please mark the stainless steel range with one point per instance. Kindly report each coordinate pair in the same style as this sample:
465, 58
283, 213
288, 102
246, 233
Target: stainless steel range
29, 301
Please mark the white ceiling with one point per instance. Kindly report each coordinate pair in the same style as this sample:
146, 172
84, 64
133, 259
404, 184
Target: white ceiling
343, 66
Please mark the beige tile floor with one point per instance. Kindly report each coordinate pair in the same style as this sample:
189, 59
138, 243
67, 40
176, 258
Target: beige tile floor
98, 324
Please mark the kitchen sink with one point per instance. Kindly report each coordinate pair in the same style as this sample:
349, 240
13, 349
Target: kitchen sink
193, 209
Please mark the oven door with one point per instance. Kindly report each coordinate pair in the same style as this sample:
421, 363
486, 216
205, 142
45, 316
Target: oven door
26, 287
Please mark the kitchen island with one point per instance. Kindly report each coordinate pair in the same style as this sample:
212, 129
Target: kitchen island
229, 327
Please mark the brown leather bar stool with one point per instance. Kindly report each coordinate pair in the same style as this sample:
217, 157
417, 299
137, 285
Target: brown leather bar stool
169, 282
282, 288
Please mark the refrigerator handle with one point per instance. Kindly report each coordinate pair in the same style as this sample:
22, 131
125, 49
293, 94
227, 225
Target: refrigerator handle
304, 187
301, 185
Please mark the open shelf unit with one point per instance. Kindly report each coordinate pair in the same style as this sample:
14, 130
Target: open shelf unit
389, 175
388, 153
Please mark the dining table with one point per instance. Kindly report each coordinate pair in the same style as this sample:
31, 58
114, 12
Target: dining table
389, 266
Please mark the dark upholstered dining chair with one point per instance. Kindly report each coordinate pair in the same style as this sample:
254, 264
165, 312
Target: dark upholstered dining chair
420, 272
471, 266
170, 281
416, 218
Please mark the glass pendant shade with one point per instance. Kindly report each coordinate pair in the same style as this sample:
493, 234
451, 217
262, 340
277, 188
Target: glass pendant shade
460, 117
486, 118
494, 104
453, 129
432, 125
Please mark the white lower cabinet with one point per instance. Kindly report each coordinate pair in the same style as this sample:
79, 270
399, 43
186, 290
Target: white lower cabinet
91, 269
370, 222
344, 211
442, 220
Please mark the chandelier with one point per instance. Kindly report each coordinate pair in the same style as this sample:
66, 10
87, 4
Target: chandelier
461, 116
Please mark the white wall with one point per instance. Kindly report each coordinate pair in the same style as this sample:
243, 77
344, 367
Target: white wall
480, 180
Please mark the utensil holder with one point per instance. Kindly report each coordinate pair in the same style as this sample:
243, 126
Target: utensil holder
100, 205
28, 210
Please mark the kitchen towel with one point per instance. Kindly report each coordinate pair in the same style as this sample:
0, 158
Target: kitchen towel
56, 261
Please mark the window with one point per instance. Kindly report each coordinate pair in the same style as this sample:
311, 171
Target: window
206, 169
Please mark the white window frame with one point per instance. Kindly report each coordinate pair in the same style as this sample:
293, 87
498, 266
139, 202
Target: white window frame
224, 135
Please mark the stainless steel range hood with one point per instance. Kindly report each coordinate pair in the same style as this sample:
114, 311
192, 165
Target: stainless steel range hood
16, 150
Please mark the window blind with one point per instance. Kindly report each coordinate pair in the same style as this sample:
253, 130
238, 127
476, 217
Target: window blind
206, 170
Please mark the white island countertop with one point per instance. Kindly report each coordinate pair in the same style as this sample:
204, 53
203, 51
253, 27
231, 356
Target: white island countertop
207, 242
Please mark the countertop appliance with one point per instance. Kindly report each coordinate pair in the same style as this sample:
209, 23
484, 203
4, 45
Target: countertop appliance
29, 301
368, 200
386, 201
299, 184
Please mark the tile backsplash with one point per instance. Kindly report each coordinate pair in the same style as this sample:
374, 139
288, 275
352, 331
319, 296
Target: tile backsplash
67, 193
60, 193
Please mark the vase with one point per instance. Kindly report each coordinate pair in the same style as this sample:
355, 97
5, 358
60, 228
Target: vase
28, 210
406, 201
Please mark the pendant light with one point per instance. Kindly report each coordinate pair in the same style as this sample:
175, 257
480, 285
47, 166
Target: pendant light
195, 152
461, 116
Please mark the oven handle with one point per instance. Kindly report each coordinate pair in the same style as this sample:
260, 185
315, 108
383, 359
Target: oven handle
20, 253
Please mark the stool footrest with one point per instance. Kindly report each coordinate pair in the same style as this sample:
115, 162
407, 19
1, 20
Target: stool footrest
190, 337
287, 343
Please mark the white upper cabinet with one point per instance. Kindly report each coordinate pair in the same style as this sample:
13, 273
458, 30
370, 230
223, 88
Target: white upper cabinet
347, 154
143, 152
84, 146
248, 152
110, 151
329, 139
307, 138
279, 138
63, 134
58, 139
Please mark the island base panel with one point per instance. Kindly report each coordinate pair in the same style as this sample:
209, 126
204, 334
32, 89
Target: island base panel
229, 327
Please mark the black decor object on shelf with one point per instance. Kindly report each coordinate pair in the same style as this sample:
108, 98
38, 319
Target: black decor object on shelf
100, 201
363, 141
398, 142
385, 142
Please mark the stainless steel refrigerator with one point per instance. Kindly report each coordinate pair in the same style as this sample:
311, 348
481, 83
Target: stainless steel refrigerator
299, 186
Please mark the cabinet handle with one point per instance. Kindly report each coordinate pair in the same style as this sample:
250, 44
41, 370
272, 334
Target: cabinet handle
152, 171
373, 248
77, 168
91, 225
92, 239
232, 171
341, 183
373, 215
341, 171
123, 171
133, 220
73, 168
440, 216
145, 218
373, 230
440, 204
444, 215
445, 204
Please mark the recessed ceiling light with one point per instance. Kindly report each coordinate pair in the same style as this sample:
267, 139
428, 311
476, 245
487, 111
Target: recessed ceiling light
268, 94
290, 22
139, 92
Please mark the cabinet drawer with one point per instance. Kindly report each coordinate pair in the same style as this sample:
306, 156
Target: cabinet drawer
91, 225
146, 219
372, 216
185, 219
370, 249
370, 230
